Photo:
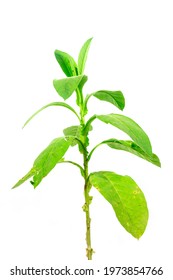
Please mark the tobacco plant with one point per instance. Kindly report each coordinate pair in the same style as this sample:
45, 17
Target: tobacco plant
120, 191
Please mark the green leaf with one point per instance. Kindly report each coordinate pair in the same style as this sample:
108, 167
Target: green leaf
130, 127
126, 198
25, 178
79, 93
131, 147
82, 82
73, 131
48, 105
83, 56
67, 63
46, 161
65, 87
114, 97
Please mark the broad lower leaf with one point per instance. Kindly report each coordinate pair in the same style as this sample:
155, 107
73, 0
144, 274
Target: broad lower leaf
131, 147
114, 97
67, 63
73, 131
51, 104
83, 56
65, 87
46, 161
130, 127
126, 198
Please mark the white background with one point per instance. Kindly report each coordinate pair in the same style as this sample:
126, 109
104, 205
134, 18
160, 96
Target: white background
132, 52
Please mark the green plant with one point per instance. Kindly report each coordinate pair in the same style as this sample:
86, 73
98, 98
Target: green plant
121, 192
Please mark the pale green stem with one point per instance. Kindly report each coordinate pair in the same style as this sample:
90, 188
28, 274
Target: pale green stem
89, 250
88, 199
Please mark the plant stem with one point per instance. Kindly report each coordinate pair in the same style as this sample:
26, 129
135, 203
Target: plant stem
88, 199
87, 186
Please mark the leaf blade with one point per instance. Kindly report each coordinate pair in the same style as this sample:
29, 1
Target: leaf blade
114, 97
67, 63
83, 56
49, 105
125, 197
65, 87
131, 147
130, 127
46, 161
25, 178
73, 131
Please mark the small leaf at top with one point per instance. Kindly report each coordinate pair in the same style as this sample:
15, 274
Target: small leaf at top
65, 87
46, 161
126, 198
130, 127
114, 97
83, 56
131, 147
67, 63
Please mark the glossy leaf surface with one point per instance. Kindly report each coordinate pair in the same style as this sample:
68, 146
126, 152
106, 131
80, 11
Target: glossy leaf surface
67, 63
65, 87
130, 127
126, 198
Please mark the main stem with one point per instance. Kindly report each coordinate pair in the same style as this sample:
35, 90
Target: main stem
88, 199
87, 186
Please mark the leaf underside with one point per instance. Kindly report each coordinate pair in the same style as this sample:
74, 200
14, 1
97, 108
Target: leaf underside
114, 97
130, 127
126, 198
131, 147
46, 161
65, 87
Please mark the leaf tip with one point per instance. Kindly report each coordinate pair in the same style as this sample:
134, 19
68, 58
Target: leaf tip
90, 39
24, 125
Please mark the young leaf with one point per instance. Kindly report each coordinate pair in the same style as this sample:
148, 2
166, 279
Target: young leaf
126, 198
131, 128
114, 97
51, 104
46, 161
65, 87
67, 63
76, 136
73, 131
83, 56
